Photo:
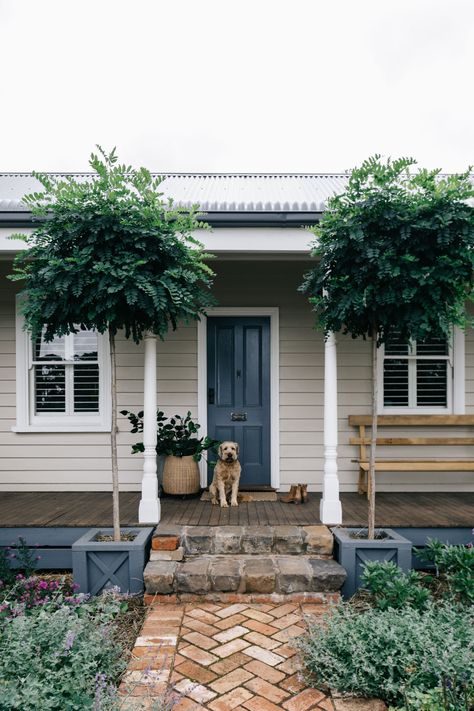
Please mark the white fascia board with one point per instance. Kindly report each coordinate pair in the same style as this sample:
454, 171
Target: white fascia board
12, 245
220, 240
254, 240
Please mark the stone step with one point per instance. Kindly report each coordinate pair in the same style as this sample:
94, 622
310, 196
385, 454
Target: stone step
280, 574
316, 541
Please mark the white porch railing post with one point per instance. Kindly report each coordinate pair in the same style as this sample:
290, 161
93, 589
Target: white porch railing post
149, 510
330, 510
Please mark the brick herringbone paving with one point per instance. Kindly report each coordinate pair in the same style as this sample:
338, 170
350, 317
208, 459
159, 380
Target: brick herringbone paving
223, 657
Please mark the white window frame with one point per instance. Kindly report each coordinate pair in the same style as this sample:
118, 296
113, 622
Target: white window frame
27, 421
456, 399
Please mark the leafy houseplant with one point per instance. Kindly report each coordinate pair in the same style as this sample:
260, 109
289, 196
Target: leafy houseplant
395, 257
177, 435
177, 440
110, 254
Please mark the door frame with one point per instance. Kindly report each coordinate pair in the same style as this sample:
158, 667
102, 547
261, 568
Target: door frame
269, 311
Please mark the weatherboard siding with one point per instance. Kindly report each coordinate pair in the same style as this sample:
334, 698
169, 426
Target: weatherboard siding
81, 461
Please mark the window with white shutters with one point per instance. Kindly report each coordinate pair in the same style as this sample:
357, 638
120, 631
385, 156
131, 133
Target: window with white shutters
417, 375
63, 384
66, 374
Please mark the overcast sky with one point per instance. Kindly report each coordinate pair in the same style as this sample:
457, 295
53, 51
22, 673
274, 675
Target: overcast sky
225, 85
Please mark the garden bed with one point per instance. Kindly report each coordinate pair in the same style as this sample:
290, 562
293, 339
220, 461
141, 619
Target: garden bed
408, 639
58, 648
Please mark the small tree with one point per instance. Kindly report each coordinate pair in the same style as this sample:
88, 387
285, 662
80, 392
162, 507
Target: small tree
110, 253
395, 255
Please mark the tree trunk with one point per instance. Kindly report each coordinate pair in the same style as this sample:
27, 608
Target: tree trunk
113, 439
373, 441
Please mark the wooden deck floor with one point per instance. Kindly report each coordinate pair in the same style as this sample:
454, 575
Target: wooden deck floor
87, 509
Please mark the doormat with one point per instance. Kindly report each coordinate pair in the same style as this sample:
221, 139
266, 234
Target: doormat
245, 497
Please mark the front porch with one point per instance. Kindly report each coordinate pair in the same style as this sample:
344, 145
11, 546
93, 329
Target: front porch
60, 509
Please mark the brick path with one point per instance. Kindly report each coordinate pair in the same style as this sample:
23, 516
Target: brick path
222, 657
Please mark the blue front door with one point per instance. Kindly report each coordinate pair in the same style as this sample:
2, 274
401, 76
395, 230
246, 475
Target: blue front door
238, 382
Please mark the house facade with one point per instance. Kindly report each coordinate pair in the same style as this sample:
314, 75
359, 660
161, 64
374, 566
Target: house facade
255, 369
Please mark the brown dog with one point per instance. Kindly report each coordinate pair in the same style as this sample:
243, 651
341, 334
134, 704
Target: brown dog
226, 475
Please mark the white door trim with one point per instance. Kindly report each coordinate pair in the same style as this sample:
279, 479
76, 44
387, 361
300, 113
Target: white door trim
274, 314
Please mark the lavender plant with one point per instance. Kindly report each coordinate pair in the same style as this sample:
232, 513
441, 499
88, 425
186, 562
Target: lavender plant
55, 659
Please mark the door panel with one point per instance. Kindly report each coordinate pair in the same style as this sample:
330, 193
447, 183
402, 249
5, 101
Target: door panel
238, 371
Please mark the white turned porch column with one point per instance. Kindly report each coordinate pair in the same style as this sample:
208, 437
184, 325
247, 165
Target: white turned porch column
330, 510
150, 509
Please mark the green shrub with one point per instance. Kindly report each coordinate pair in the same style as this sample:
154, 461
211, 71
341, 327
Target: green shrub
383, 653
391, 587
439, 699
26, 561
26, 594
60, 659
454, 565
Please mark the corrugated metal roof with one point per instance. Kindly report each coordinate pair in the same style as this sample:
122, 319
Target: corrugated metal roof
213, 192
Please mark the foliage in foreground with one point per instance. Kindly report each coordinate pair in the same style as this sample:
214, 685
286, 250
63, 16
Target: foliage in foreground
392, 588
25, 559
443, 698
61, 659
388, 653
453, 580
27, 594
454, 565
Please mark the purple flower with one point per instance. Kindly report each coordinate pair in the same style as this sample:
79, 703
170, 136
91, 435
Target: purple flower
70, 637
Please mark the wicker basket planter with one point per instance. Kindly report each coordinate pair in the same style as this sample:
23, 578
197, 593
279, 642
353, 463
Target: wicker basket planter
181, 475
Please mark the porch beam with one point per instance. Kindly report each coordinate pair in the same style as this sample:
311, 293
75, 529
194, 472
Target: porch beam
330, 510
149, 510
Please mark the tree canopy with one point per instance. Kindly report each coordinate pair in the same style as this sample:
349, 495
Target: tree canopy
395, 252
109, 252
395, 256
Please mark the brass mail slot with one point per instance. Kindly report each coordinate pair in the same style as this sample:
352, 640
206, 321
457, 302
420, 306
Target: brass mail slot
238, 416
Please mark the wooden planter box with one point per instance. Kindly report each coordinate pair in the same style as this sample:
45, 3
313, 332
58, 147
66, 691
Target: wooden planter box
352, 553
99, 565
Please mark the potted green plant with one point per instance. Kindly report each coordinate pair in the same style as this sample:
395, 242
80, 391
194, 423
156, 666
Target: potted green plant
395, 257
110, 254
178, 442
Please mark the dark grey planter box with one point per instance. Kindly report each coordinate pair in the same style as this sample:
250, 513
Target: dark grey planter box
100, 565
352, 553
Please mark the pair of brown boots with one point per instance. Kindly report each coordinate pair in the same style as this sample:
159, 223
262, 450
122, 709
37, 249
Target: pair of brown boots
298, 494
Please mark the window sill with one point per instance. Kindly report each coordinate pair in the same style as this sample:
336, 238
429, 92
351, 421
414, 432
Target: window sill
59, 428
416, 411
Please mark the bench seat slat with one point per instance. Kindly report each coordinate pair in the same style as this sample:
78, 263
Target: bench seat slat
420, 465
417, 441
410, 464
413, 420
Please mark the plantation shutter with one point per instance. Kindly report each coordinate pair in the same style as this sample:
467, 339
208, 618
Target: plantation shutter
66, 374
415, 374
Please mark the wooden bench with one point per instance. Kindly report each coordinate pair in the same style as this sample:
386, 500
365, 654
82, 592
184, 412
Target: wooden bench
409, 464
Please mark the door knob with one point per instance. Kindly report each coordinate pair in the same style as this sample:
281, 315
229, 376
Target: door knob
211, 396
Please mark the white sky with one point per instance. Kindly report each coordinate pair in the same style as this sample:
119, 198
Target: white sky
225, 85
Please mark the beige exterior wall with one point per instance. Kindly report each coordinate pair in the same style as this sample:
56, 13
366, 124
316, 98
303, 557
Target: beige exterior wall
80, 461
